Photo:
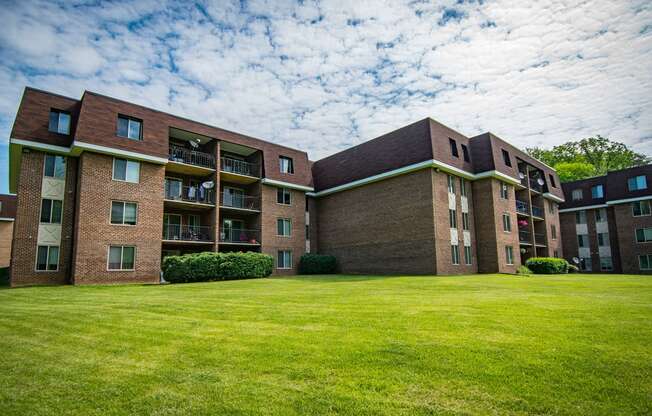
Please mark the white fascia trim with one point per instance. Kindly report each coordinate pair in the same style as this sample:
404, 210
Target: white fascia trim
6, 219
553, 197
452, 169
583, 208
624, 201
118, 152
498, 175
281, 184
41, 146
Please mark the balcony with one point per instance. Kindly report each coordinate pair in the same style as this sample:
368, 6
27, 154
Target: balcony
187, 234
239, 171
540, 239
537, 211
188, 195
190, 162
236, 236
239, 202
524, 237
522, 207
534, 186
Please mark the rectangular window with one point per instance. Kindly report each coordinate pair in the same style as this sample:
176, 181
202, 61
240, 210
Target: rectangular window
452, 218
506, 158
576, 195
123, 213
580, 217
582, 240
606, 265
51, 210
283, 196
59, 122
453, 145
283, 227
556, 253
586, 264
284, 259
507, 223
551, 207
126, 170
451, 184
463, 187
286, 164
643, 235
122, 258
603, 239
130, 128
552, 180
55, 166
465, 221
47, 258
553, 231
465, 153
597, 192
637, 183
455, 254
468, 260
509, 255
601, 215
504, 190
645, 262
640, 208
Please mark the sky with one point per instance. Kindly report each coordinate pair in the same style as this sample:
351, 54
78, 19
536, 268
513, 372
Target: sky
323, 76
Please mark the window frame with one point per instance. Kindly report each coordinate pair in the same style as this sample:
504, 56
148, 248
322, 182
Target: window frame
129, 119
509, 255
285, 267
455, 254
451, 184
453, 147
649, 208
54, 166
507, 225
124, 205
603, 269
47, 259
52, 201
579, 215
465, 153
577, 194
290, 165
468, 255
551, 177
597, 191
636, 183
584, 238
59, 113
466, 222
285, 221
645, 237
506, 158
504, 191
648, 257
121, 269
463, 188
452, 219
603, 239
553, 232
126, 179
284, 191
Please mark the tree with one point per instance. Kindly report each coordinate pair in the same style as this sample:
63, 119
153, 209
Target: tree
600, 152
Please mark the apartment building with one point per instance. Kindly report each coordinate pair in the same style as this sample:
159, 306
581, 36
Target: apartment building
607, 223
106, 189
7, 215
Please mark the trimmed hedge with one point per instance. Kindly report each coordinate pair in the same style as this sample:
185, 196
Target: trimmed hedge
208, 266
317, 264
547, 265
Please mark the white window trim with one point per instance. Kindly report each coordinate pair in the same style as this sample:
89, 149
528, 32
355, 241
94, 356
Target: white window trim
636, 238
123, 213
40, 213
510, 223
126, 170
509, 261
458, 254
47, 259
284, 268
63, 178
108, 257
468, 261
289, 220
280, 165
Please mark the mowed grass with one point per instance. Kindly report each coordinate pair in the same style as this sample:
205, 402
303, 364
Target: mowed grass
485, 344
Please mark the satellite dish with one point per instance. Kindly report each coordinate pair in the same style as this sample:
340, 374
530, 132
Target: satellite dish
193, 144
540, 181
208, 185
521, 175
576, 260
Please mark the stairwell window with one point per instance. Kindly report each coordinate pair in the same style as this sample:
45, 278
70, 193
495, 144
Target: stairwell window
54, 166
59, 122
451, 184
123, 213
455, 254
51, 210
468, 260
126, 170
130, 128
283, 196
551, 207
643, 235
597, 192
640, 208
284, 259
507, 223
122, 258
603, 239
283, 227
553, 231
601, 215
580, 217
452, 218
286, 164
582, 240
509, 255
453, 145
504, 190
465, 221
47, 258
637, 183
506, 159
463, 187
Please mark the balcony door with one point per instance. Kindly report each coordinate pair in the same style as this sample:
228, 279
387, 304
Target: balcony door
173, 188
233, 197
171, 226
232, 230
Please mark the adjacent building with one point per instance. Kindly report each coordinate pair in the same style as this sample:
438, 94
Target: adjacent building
106, 189
607, 223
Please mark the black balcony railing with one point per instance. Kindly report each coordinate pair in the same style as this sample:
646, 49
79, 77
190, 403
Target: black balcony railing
240, 167
537, 211
522, 207
239, 236
524, 236
535, 186
198, 194
231, 200
539, 238
191, 157
187, 233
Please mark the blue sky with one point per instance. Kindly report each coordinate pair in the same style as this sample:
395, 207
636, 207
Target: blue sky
324, 76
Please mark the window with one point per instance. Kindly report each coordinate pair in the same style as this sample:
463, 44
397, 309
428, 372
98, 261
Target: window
586, 264
467, 255
451, 184
51, 211
606, 265
601, 215
553, 232
506, 158
283, 227
551, 207
286, 164
504, 190
597, 191
643, 235
284, 259
465, 153
59, 122
509, 255
47, 258
645, 262
455, 254
556, 253
507, 223
453, 145
126, 170
640, 208
552, 180
637, 183
122, 258
465, 221
307, 231
582, 240
284, 196
123, 213
463, 187
130, 128
576, 195
580, 217
452, 218
55, 166
603, 239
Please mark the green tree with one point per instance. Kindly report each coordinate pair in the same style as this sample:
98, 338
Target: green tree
572, 171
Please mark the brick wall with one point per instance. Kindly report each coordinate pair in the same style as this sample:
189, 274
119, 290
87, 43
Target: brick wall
552, 218
626, 225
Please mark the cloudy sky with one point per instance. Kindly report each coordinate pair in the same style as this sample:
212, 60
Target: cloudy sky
324, 76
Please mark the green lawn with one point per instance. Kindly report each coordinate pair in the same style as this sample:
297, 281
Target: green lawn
486, 344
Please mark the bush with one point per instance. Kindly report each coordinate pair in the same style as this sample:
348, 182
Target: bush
523, 270
573, 268
547, 265
317, 264
202, 267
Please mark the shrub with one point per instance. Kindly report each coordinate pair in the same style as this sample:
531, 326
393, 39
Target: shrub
523, 270
317, 264
573, 268
202, 267
547, 265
